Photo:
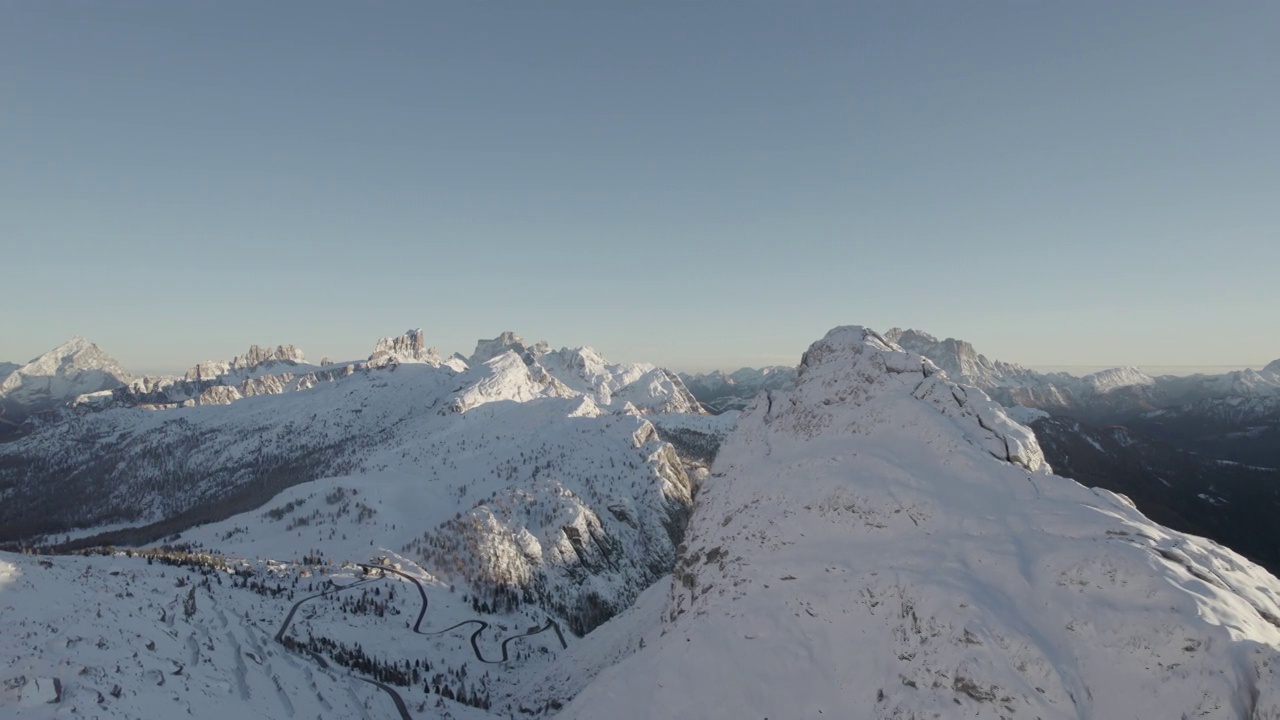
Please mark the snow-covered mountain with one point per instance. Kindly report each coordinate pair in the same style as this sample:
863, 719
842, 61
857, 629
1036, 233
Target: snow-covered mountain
873, 540
1013, 384
512, 500
963, 363
1116, 390
881, 542
525, 485
584, 370
588, 372
1233, 416
73, 368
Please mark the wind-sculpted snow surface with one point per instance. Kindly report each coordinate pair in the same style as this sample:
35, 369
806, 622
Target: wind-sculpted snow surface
883, 543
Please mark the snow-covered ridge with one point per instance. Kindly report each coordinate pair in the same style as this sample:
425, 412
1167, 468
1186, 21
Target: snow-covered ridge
862, 549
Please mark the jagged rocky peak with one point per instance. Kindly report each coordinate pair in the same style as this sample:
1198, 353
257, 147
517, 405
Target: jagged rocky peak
410, 347
1273, 367
256, 356
487, 350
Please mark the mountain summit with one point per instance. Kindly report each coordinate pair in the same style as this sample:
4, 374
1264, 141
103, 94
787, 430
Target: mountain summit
74, 368
882, 542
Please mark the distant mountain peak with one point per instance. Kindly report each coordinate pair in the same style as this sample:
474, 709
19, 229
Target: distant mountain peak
256, 356
1273, 367
962, 361
1105, 381
487, 350
76, 367
411, 347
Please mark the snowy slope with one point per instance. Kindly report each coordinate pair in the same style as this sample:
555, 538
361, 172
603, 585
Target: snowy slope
109, 638
122, 637
882, 543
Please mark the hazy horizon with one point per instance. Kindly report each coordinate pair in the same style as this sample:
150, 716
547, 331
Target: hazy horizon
691, 184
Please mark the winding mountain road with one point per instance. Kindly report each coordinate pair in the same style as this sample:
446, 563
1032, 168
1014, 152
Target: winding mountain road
288, 620
475, 636
401, 707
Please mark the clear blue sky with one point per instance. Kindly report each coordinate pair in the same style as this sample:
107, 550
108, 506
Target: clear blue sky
696, 184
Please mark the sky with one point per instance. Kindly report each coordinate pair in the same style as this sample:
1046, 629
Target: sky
696, 184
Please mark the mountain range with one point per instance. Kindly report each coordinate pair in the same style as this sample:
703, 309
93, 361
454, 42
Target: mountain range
877, 532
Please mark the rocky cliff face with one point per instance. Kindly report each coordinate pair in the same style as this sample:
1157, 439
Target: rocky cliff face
506, 341
408, 348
